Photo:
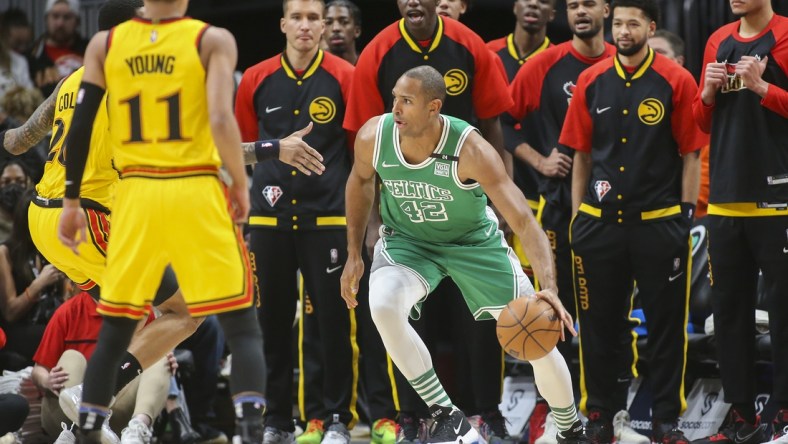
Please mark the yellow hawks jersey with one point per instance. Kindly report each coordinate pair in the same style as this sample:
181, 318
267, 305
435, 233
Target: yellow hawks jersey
158, 111
99, 180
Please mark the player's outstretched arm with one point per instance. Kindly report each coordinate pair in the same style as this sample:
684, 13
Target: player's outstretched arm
72, 226
18, 140
480, 162
219, 56
359, 196
292, 150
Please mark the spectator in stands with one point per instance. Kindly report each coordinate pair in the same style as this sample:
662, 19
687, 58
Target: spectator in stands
16, 30
18, 105
14, 70
59, 51
31, 289
13, 408
60, 362
207, 347
14, 180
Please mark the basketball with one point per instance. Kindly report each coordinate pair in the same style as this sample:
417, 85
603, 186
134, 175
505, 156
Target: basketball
528, 328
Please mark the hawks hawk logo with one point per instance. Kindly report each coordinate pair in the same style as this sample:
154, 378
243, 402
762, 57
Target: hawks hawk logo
601, 187
272, 194
569, 89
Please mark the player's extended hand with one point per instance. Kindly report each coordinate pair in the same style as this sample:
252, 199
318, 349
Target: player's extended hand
551, 298
351, 275
72, 228
751, 71
716, 75
239, 200
295, 152
557, 164
57, 379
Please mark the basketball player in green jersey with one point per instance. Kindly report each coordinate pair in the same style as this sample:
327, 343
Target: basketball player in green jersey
437, 172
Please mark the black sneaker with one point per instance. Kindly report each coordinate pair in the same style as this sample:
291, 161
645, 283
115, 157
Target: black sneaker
736, 430
667, 432
575, 435
493, 428
598, 429
408, 428
451, 426
780, 425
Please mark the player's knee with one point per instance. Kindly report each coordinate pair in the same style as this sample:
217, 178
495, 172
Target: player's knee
240, 323
387, 295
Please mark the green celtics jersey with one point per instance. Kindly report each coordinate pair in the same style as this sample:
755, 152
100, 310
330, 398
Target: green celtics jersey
427, 201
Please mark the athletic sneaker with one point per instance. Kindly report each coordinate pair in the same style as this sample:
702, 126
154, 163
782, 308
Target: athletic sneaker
451, 426
137, 432
550, 431
336, 432
66, 436
272, 435
667, 432
780, 428
575, 435
313, 433
624, 432
384, 431
736, 430
598, 429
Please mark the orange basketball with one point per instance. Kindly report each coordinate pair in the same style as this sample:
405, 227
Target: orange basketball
528, 328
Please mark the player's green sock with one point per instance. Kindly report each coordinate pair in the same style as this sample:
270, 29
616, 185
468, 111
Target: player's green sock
430, 389
564, 417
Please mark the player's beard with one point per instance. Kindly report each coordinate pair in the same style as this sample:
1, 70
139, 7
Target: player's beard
590, 32
632, 50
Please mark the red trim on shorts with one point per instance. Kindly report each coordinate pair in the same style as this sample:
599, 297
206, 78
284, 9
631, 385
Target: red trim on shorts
166, 173
87, 285
99, 229
125, 311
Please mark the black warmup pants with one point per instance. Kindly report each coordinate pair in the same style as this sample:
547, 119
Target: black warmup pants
738, 248
608, 259
555, 219
376, 378
320, 255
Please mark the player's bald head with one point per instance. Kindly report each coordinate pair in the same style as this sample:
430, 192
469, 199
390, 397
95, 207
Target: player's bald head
432, 84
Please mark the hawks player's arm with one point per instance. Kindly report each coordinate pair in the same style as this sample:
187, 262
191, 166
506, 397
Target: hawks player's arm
480, 162
18, 140
292, 150
359, 197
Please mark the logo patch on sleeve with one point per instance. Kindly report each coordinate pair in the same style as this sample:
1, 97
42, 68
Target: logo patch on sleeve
272, 194
601, 187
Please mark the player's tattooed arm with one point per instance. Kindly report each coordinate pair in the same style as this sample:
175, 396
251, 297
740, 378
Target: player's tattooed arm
18, 140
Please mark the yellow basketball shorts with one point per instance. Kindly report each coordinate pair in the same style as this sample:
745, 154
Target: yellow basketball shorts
86, 268
182, 221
